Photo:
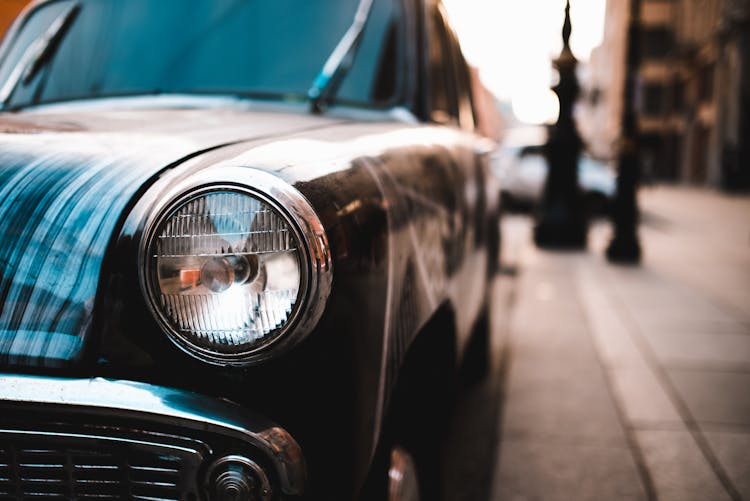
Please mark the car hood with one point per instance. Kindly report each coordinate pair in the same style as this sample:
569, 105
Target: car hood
66, 177
171, 119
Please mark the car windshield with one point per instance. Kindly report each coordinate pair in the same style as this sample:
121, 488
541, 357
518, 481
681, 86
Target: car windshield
256, 48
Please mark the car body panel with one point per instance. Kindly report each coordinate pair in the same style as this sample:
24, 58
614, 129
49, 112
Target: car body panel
399, 209
66, 179
400, 205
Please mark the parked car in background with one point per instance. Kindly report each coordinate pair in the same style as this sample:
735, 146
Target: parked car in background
245, 246
521, 166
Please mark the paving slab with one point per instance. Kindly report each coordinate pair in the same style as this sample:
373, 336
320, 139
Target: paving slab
640, 393
714, 397
560, 403
692, 325
633, 382
733, 452
548, 316
613, 341
708, 350
702, 240
677, 467
540, 470
562, 436
643, 400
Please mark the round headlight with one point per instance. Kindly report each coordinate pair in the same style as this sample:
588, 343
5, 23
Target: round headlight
227, 271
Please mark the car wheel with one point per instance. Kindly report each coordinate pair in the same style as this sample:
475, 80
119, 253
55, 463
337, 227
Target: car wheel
403, 479
419, 413
406, 470
493, 245
476, 361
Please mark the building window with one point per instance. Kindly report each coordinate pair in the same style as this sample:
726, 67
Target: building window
653, 99
656, 43
678, 95
706, 84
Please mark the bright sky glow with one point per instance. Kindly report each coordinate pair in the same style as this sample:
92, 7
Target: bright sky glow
512, 42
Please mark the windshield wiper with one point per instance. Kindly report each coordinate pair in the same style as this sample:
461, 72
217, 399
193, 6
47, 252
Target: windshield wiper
39, 53
326, 84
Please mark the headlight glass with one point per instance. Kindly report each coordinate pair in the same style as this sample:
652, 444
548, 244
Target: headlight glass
226, 272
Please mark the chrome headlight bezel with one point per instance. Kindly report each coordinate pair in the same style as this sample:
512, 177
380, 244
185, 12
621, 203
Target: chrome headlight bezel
315, 257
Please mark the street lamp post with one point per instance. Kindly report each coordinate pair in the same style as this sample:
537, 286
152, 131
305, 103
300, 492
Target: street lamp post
561, 221
624, 247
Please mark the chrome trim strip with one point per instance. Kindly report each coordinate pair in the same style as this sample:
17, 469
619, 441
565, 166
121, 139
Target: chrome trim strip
291, 204
161, 448
169, 406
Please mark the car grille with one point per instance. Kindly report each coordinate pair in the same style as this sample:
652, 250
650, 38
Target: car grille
97, 438
46, 465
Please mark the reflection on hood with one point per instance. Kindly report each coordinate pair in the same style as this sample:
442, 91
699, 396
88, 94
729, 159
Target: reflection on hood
66, 176
58, 210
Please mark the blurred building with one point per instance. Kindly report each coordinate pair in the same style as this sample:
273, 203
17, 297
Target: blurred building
9, 9
603, 84
489, 119
693, 90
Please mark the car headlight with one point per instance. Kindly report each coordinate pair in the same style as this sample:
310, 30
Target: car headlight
231, 274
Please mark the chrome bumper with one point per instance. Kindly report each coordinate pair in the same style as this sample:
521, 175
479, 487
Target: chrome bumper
97, 419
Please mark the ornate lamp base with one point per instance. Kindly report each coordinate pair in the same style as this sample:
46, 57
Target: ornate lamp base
559, 228
550, 236
624, 250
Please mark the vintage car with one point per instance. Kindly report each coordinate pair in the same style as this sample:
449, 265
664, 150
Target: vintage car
245, 248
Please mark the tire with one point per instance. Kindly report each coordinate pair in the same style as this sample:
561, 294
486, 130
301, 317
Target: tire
420, 411
416, 455
404, 473
476, 362
403, 476
424, 410
493, 247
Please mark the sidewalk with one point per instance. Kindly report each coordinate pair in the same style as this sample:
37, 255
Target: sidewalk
632, 382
